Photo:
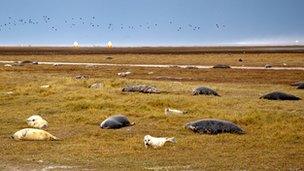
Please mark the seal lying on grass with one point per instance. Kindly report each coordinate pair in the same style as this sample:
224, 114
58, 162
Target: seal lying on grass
169, 111
223, 66
95, 86
33, 134
204, 91
301, 86
37, 121
115, 122
214, 126
297, 83
141, 89
156, 142
279, 96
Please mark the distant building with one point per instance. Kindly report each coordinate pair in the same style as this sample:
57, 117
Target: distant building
76, 44
109, 44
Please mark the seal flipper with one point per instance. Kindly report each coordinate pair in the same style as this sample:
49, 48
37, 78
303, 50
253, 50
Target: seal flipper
172, 139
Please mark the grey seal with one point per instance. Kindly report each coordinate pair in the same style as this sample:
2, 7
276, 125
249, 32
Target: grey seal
214, 126
223, 66
141, 89
204, 91
301, 86
297, 83
277, 95
116, 122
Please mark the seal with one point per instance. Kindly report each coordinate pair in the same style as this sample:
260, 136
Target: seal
204, 91
214, 126
301, 86
95, 86
277, 95
268, 66
116, 122
124, 74
82, 77
33, 134
140, 89
297, 83
37, 121
223, 66
156, 142
169, 111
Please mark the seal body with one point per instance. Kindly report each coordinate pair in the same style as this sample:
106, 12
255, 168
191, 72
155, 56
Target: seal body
33, 134
37, 121
124, 74
169, 111
204, 91
95, 86
279, 96
214, 126
268, 66
156, 142
297, 83
116, 122
223, 66
141, 89
301, 86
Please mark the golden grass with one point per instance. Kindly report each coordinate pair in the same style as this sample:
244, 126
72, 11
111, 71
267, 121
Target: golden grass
171, 74
274, 138
251, 59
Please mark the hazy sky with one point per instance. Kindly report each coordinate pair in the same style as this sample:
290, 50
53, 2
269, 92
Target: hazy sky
151, 22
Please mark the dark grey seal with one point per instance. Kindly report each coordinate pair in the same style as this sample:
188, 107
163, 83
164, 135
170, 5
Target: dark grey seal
214, 126
204, 91
116, 122
82, 77
268, 66
141, 89
279, 96
224, 66
300, 86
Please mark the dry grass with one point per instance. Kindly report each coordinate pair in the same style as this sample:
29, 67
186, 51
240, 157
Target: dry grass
251, 59
171, 74
275, 130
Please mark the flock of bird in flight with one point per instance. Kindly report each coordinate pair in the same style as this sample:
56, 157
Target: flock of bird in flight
91, 22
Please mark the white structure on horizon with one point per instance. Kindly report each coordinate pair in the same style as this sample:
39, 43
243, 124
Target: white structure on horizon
109, 44
76, 44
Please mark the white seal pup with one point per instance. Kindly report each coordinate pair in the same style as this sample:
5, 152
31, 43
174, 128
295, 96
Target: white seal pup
45, 86
124, 74
95, 86
33, 134
169, 111
156, 142
37, 121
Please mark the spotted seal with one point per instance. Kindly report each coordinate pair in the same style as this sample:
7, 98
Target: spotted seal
141, 89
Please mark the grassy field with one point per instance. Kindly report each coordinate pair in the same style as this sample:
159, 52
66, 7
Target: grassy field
69, 50
251, 59
274, 138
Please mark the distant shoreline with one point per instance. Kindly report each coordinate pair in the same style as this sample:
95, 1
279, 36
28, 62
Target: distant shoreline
68, 50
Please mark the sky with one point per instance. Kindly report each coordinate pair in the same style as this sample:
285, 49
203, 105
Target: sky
151, 22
